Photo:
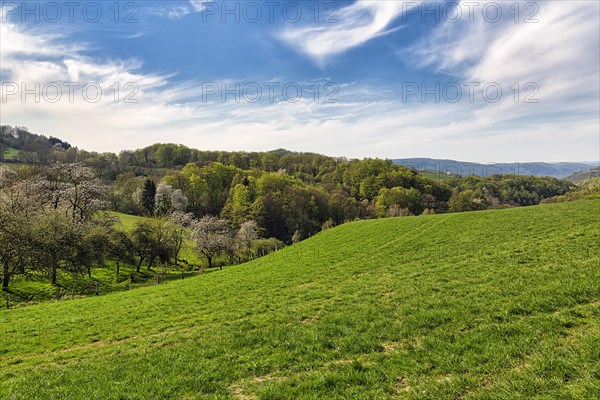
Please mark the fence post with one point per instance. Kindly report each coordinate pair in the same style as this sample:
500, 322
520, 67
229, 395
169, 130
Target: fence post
97, 293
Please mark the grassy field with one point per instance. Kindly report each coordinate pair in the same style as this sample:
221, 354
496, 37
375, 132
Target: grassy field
11, 154
9, 157
436, 176
485, 305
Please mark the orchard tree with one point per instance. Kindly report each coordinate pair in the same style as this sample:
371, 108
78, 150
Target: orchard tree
23, 197
179, 201
76, 187
244, 237
212, 236
179, 224
156, 240
14, 235
162, 199
121, 248
54, 241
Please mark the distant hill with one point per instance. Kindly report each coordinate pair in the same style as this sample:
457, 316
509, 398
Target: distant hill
582, 176
463, 168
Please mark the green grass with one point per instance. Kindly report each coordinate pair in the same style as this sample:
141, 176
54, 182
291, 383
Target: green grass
11, 154
436, 176
497, 304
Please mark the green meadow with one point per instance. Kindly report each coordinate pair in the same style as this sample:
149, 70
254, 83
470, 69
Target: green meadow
11, 154
127, 223
500, 304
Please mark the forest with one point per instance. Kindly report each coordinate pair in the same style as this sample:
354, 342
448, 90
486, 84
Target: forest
56, 202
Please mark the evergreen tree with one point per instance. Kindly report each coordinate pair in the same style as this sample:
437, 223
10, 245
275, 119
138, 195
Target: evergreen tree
148, 195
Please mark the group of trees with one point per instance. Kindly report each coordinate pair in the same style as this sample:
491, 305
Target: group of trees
476, 193
51, 224
286, 193
282, 202
292, 202
48, 220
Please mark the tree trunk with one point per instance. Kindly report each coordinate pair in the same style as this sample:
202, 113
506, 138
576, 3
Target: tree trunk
5, 277
21, 265
209, 259
118, 267
53, 274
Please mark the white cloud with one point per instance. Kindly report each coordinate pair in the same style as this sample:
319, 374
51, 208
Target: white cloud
560, 53
356, 24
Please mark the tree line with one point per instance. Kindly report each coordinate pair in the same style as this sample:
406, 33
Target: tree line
286, 193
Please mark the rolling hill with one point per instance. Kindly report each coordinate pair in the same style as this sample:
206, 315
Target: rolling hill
462, 168
483, 305
583, 175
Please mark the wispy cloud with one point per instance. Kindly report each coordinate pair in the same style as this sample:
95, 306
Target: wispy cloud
356, 24
179, 11
559, 52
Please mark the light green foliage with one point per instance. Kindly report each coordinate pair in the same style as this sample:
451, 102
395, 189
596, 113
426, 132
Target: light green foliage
499, 304
409, 199
586, 190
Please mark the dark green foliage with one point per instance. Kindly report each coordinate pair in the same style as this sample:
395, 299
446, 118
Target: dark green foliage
148, 196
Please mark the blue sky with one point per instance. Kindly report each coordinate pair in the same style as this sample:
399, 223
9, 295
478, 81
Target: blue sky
395, 78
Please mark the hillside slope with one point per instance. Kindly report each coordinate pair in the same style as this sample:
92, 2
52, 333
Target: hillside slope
583, 175
482, 305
